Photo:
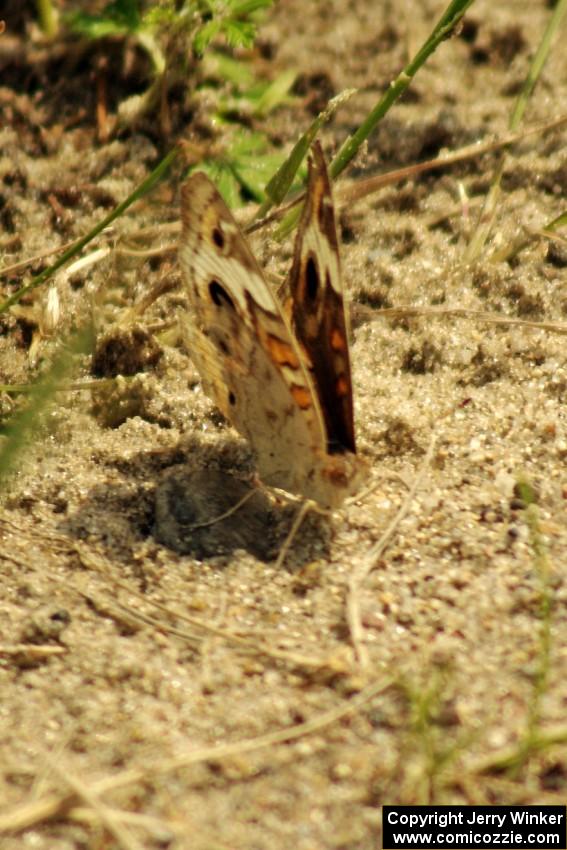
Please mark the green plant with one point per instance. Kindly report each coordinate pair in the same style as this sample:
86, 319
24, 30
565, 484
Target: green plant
197, 21
487, 215
445, 26
543, 572
428, 734
48, 17
177, 38
245, 165
172, 34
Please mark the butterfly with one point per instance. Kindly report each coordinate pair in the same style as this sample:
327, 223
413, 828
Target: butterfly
279, 372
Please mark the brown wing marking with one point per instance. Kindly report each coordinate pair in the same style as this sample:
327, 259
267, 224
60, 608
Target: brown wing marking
244, 348
318, 310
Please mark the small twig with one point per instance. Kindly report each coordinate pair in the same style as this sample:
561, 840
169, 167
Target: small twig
363, 494
347, 193
23, 264
106, 814
164, 285
132, 619
32, 651
145, 253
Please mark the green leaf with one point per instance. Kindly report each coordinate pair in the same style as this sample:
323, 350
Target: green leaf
245, 143
224, 179
275, 93
252, 173
92, 27
239, 33
248, 7
279, 185
557, 223
205, 35
526, 491
234, 71
127, 11
120, 17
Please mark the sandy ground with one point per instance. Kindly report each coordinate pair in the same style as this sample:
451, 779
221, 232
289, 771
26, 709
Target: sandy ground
132, 648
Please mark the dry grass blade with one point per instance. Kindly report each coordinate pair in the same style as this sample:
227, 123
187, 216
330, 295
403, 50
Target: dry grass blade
57, 805
106, 815
300, 515
345, 193
226, 513
23, 264
363, 570
156, 829
257, 647
462, 313
351, 191
32, 652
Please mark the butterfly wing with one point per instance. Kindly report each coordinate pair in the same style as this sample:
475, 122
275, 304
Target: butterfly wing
318, 309
243, 346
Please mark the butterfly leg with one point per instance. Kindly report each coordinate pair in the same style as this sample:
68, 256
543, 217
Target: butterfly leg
224, 515
304, 508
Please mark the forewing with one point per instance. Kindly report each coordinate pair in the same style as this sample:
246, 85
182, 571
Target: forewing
242, 344
318, 310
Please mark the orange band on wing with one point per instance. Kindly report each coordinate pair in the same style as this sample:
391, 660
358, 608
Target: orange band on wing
281, 352
302, 396
342, 386
338, 342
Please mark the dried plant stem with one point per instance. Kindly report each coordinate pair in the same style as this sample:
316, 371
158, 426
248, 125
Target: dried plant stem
106, 815
462, 313
58, 805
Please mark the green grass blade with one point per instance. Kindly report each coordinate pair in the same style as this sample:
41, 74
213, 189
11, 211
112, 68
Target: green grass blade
71, 252
275, 94
47, 14
557, 223
488, 212
278, 187
442, 30
537, 64
25, 424
543, 570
